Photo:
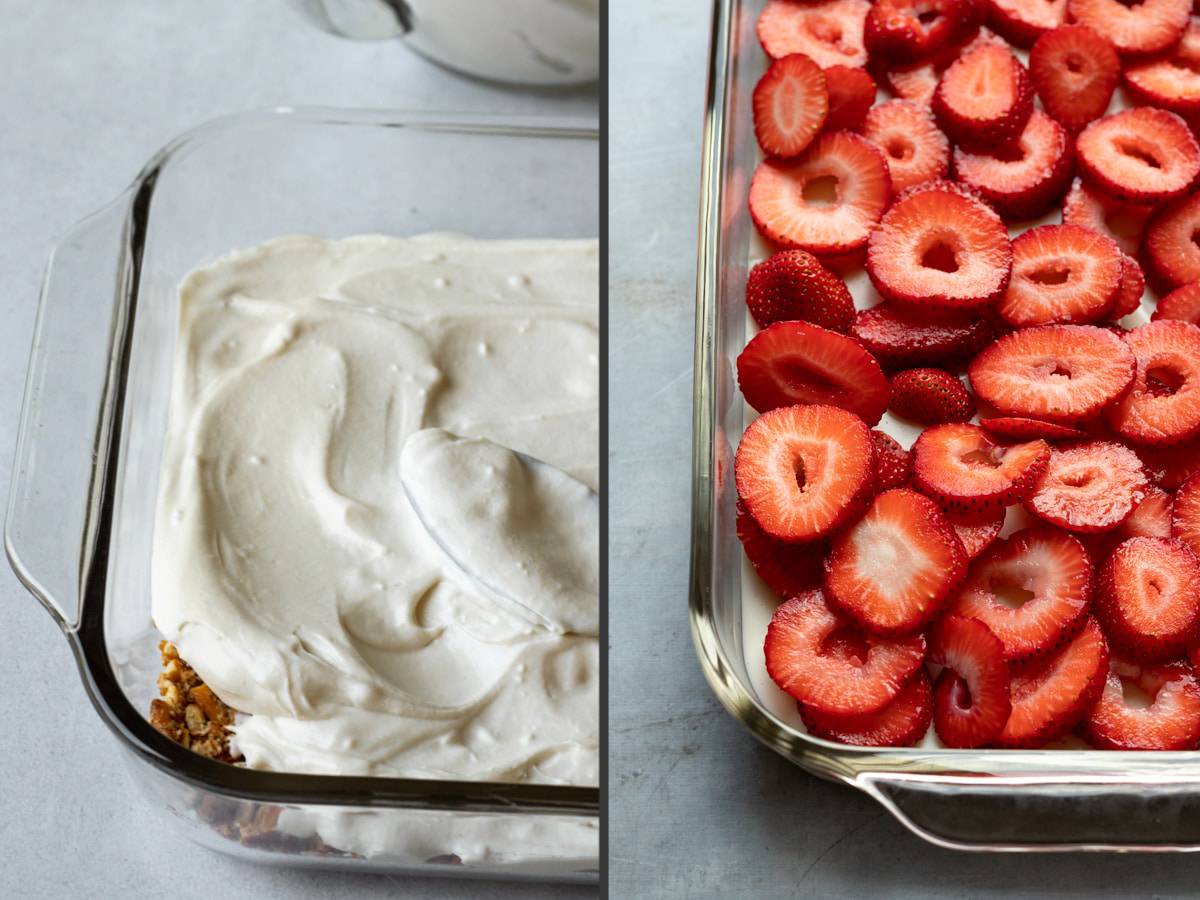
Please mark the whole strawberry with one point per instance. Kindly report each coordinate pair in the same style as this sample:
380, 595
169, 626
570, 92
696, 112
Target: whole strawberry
930, 396
793, 284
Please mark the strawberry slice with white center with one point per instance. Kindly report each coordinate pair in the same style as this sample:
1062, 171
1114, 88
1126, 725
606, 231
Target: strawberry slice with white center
901, 723
1050, 696
1165, 717
1089, 487
790, 105
984, 98
1075, 72
1182, 304
1123, 222
971, 475
1148, 598
1162, 406
802, 471
976, 536
1141, 155
1185, 514
893, 466
1171, 81
1032, 590
1146, 27
1017, 428
902, 337
971, 699
787, 569
1022, 22
1061, 273
1024, 178
914, 146
1169, 248
1132, 289
940, 246
917, 81
825, 201
831, 668
1058, 373
798, 362
894, 569
829, 31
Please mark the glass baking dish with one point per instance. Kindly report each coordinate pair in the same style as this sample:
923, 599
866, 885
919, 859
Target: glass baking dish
965, 799
81, 510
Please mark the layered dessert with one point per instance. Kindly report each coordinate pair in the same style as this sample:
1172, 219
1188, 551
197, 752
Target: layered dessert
337, 630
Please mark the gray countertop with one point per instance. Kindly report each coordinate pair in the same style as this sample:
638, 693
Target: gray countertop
700, 808
90, 91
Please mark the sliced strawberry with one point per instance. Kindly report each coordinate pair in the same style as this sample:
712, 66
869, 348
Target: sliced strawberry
1075, 72
807, 658
971, 700
829, 31
851, 94
1146, 27
787, 569
1171, 721
1026, 177
918, 81
1169, 248
1060, 373
1185, 514
1015, 428
930, 396
1022, 22
940, 246
803, 471
901, 723
1032, 590
970, 474
1163, 405
792, 284
1147, 600
1050, 696
1170, 467
1170, 81
894, 569
1152, 518
1061, 273
826, 201
893, 466
1141, 155
797, 362
902, 31
1123, 222
915, 148
984, 98
1089, 487
1132, 289
977, 536
1182, 304
790, 105
904, 337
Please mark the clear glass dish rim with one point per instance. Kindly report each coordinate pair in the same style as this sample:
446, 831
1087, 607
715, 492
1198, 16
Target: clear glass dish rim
87, 638
860, 766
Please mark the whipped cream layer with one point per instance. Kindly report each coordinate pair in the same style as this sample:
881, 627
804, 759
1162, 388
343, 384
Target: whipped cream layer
290, 568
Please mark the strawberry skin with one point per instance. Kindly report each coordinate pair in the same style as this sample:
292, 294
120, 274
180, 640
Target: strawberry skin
1182, 304
971, 475
971, 699
792, 284
1015, 428
985, 98
894, 569
1050, 696
1148, 598
1141, 155
803, 471
1089, 487
1026, 177
806, 659
1044, 570
790, 103
1148, 27
1170, 722
829, 31
893, 466
1075, 72
797, 362
1061, 273
1171, 256
1057, 373
851, 95
902, 337
1162, 406
930, 396
909, 138
787, 569
901, 723
1123, 222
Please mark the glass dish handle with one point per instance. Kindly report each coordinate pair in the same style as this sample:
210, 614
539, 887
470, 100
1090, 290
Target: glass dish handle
1031, 813
62, 439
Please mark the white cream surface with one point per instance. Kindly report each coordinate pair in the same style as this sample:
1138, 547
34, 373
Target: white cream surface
288, 565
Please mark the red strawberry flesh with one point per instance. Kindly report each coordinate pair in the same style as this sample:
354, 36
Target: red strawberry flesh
1148, 598
1162, 406
971, 699
787, 569
1171, 720
1074, 71
910, 140
829, 31
1141, 155
971, 475
1061, 273
903, 337
1089, 487
984, 98
790, 104
1146, 27
1123, 222
901, 723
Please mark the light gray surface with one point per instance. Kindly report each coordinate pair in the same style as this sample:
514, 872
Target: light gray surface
89, 91
700, 808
